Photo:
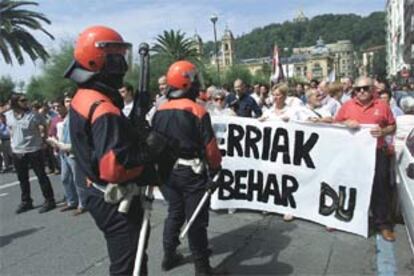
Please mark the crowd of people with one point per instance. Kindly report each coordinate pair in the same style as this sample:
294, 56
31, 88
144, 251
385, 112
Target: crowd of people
365, 101
37, 134
90, 140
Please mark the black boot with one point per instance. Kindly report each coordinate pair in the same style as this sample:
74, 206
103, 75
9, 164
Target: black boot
171, 260
202, 267
24, 206
47, 206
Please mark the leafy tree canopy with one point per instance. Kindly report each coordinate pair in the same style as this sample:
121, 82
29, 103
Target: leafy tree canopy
51, 82
16, 31
6, 88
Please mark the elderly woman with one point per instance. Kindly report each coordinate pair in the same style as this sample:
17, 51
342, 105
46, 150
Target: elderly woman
280, 110
218, 106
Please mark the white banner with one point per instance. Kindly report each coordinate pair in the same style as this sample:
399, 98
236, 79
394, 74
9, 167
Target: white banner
320, 173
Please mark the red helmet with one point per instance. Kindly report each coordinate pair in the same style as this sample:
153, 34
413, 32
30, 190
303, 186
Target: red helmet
101, 47
181, 75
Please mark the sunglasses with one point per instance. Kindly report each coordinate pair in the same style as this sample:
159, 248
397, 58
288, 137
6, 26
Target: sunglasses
218, 99
364, 88
23, 100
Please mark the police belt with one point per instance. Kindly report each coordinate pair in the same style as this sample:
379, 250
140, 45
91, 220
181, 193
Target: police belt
119, 194
196, 164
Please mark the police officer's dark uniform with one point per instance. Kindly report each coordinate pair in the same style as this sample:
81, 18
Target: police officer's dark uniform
186, 121
107, 147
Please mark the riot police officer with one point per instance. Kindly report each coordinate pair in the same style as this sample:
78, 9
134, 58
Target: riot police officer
182, 119
109, 149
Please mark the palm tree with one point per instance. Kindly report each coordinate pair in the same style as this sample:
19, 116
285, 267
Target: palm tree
16, 26
174, 46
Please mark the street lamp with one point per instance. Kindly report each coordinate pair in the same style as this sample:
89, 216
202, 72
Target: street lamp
214, 19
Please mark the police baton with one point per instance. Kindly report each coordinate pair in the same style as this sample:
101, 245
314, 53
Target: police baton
137, 116
199, 207
146, 201
141, 99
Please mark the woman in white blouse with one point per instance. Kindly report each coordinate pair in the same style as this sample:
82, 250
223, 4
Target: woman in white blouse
280, 111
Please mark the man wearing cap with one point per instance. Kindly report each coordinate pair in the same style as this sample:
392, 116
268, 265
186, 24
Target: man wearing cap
365, 109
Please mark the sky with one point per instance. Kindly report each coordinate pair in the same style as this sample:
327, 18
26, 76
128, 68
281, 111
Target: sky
142, 20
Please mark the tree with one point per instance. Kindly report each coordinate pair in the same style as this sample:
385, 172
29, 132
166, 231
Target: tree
170, 46
6, 88
16, 26
158, 67
51, 82
237, 72
132, 75
263, 74
173, 45
379, 65
35, 90
210, 75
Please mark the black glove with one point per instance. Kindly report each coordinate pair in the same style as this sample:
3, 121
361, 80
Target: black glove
156, 143
214, 182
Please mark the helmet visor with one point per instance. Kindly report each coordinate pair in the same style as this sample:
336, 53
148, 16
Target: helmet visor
196, 79
118, 56
115, 64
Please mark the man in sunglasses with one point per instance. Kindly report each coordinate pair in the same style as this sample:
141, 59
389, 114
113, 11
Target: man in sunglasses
26, 129
364, 109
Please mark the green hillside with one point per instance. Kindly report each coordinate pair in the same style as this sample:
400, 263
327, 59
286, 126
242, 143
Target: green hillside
364, 32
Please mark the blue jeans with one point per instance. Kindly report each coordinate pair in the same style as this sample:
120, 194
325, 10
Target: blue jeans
73, 181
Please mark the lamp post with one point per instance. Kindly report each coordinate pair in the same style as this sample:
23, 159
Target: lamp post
214, 19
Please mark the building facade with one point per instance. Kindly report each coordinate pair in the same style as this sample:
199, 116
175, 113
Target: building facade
226, 53
321, 61
368, 56
341, 56
408, 52
399, 40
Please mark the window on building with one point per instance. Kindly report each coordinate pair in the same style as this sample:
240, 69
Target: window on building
317, 71
226, 47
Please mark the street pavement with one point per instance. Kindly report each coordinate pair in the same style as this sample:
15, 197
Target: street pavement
244, 243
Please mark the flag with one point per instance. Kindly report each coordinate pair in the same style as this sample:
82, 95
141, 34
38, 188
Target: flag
331, 76
277, 69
